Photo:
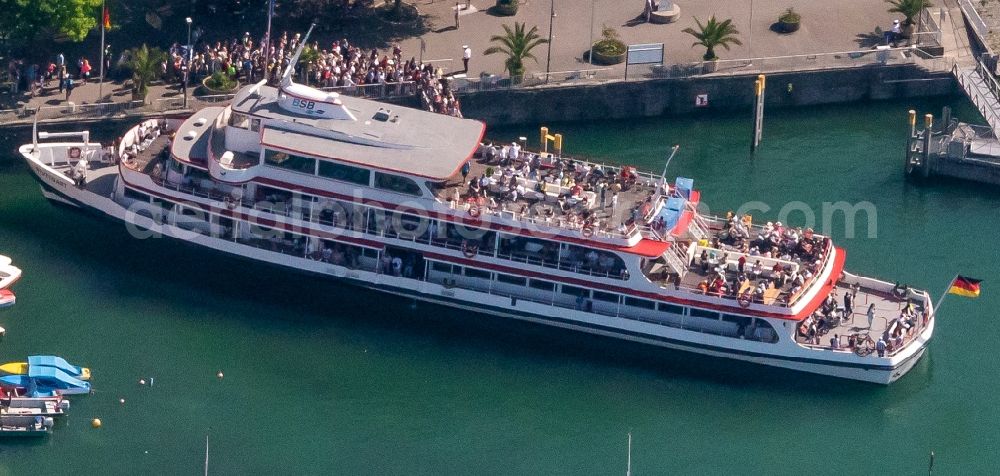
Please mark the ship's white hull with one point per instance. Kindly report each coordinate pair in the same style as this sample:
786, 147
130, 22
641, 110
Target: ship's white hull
786, 355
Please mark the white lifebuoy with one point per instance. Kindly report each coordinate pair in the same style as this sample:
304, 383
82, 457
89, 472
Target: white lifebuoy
469, 251
474, 211
73, 153
587, 231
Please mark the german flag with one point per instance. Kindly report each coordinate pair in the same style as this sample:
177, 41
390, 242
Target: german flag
964, 286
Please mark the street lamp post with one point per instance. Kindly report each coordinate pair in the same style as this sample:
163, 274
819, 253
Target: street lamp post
187, 64
548, 59
750, 40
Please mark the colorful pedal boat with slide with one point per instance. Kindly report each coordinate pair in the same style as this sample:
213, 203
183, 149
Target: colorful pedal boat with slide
21, 368
46, 381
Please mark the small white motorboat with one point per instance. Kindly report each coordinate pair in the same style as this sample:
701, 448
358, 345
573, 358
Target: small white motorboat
9, 273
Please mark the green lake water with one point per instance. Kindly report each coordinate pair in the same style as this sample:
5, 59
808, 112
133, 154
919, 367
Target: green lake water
322, 378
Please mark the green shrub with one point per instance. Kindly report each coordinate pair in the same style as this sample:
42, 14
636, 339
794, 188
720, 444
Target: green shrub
609, 44
789, 16
220, 81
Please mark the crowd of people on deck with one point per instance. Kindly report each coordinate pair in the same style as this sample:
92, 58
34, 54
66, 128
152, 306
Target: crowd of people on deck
797, 256
515, 180
831, 315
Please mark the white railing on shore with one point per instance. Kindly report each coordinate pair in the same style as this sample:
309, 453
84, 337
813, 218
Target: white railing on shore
735, 67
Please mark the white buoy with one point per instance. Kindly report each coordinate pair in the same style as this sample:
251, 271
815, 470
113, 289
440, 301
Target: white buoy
220, 375
96, 423
142, 381
121, 400
3, 332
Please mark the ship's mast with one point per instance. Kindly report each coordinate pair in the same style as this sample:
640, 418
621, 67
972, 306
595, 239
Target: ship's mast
286, 78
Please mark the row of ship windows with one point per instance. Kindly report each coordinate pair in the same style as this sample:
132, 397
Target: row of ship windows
327, 169
575, 291
341, 172
473, 241
394, 224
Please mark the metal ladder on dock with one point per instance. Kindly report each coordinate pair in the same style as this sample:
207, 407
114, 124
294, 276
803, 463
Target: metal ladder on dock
983, 90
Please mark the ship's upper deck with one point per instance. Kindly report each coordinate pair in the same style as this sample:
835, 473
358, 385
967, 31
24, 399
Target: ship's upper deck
383, 136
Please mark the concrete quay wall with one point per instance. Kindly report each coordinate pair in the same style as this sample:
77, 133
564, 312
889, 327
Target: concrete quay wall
623, 100
966, 169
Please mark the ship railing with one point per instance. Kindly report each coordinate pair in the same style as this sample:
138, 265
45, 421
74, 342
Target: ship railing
376, 91
558, 222
623, 311
909, 337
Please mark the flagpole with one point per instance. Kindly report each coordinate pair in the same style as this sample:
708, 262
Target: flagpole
100, 54
267, 42
937, 306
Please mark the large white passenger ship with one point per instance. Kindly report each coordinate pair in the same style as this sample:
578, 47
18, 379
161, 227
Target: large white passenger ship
376, 195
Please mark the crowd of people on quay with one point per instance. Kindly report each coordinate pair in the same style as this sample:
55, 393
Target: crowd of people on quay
34, 78
246, 59
580, 194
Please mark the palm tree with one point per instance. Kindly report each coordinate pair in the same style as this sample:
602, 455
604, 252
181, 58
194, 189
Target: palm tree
712, 34
908, 8
517, 45
309, 58
145, 64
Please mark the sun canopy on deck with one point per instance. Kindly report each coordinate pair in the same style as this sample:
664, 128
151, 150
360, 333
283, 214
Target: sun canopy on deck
647, 248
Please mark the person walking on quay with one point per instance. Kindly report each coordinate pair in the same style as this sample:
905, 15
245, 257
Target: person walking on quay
871, 315
466, 56
69, 86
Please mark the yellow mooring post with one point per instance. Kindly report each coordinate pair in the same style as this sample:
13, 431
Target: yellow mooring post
557, 142
758, 112
913, 122
544, 138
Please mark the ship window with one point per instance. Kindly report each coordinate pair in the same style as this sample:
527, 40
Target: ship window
478, 273
164, 204
543, 285
640, 303
343, 172
442, 267
396, 183
574, 291
671, 308
606, 297
255, 125
142, 197
239, 120
704, 313
506, 278
291, 162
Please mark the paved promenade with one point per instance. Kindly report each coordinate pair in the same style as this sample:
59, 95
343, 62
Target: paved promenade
841, 25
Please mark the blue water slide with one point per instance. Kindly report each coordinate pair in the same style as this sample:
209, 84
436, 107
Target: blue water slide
55, 362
